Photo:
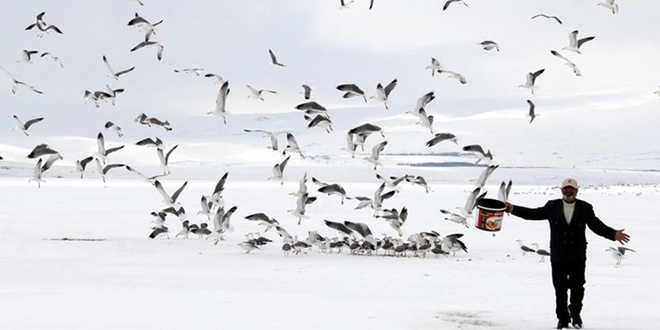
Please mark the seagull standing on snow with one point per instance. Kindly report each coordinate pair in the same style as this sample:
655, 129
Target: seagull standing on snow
524, 247
382, 93
543, 253
574, 43
221, 101
609, 4
530, 79
23, 127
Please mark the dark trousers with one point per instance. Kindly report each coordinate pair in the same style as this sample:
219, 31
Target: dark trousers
568, 274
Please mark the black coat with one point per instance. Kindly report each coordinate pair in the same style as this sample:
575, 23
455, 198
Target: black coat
567, 241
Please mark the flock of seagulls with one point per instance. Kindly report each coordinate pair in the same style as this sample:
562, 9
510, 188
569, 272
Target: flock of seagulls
354, 236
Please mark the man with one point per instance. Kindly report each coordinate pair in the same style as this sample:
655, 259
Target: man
568, 218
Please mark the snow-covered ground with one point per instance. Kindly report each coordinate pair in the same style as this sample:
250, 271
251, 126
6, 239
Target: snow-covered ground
75, 254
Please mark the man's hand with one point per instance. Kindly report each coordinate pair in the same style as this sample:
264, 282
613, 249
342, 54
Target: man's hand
621, 237
509, 207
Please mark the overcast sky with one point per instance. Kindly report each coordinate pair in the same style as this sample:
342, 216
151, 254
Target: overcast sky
323, 46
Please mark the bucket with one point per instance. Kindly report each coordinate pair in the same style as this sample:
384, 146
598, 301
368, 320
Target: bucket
491, 212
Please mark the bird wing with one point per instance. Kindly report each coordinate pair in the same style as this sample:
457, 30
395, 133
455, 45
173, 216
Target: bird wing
221, 98
178, 191
390, 87
167, 156
31, 121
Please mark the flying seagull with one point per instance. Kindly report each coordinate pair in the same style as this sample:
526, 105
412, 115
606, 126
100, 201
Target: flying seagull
383, 93
343, 4
435, 66
569, 63
273, 59
311, 107
530, 79
40, 150
112, 73
439, 137
374, 158
26, 55
15, 83
456, 218
101, 151
221, 101
167, 199
532, 113
549, 17
111, 126
505, 190
42, 26
23, 127
574, 43
307, 92
256, 94
609, 4
618, 253
292, 145
52, 58
351, 90
278, 170
157, 45
334, 189
82, 164
273, 138
449, 2
194, 71
487, 157
145, 25
489, 45
165, 158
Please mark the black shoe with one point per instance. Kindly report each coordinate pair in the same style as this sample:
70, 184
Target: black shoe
562, 324
577, 322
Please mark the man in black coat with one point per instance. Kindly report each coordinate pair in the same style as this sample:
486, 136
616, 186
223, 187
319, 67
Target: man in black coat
568, 218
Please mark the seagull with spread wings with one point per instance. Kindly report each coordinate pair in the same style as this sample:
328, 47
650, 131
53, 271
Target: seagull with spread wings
273, 138
383, 93
15, 83
256, 94
351, 90
530, 80
167, 199
115, 74
569, 63
548, 17
532, 111
23, 127
221, 101
273, 59
374, 158
449, 2
574, 43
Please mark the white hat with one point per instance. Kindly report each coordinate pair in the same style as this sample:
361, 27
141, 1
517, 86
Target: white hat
569, 182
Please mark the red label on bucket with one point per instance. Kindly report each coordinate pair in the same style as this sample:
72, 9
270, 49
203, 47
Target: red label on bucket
491, 212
